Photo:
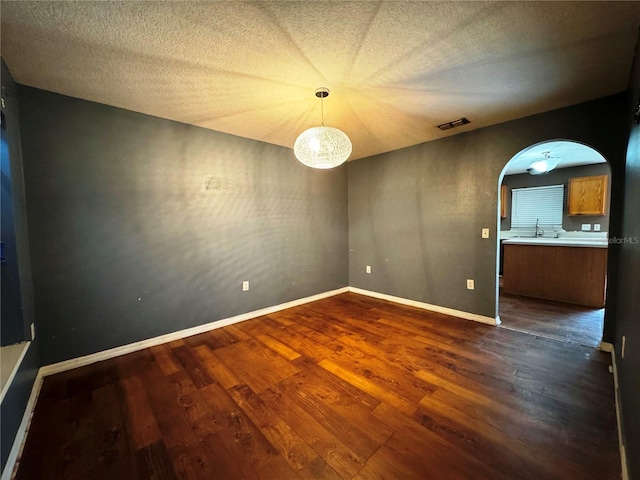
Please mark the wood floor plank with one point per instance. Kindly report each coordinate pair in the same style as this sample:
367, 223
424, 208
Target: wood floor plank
370, 387
416, 438
352, 433
214, 339
188, 458
318, 469
77, 382
234, 445
298, 453
182, 384
153, 462
344, 387
238, 331
534, 407
487, 443
142, 427
277, 468
216, 367
295, 340
330, 447
327, 324
192, 365
395, 461
522, 429
390, 377
277, 346
344, 307
112, 452
165, 359
259, 366
340, 402
335, 382
57, 437
317, 337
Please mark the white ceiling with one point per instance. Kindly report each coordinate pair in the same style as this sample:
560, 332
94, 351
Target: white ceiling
395, 69
571, 154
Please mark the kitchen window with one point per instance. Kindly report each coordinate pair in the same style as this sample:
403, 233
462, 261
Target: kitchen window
537, 205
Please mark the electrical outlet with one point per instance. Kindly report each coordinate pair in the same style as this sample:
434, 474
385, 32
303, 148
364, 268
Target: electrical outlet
485, 233
624, 344
470, 284
368, 269
596, 227
245, 286
586, 227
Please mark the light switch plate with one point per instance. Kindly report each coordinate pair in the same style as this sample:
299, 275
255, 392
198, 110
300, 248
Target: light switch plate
596, 227
470, 284
485, 233
586, 227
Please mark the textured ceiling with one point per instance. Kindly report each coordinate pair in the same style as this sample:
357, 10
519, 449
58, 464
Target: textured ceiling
395, 69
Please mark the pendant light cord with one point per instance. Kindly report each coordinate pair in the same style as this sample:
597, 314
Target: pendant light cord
322, 110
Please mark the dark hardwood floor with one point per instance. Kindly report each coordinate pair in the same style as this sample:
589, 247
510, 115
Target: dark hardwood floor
346, 387
555, 320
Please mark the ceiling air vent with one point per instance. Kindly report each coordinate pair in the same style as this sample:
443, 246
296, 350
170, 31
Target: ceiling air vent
453, 124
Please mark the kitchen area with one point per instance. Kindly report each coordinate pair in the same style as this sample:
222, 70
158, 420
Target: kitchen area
553, 250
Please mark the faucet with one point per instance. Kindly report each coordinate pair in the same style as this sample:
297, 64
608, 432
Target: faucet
539, 232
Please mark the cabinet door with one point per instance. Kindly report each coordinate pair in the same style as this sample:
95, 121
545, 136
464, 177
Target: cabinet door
587, 195
503, 201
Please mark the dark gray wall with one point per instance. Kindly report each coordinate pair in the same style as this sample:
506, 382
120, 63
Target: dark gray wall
416, 214
17, 287
560, 176
141, 226
12, 324
628, 308
17, 396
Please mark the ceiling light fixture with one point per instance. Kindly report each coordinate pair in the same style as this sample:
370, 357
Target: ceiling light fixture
543, 165
322, 147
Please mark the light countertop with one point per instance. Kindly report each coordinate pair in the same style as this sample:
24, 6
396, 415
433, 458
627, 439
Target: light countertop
559, 242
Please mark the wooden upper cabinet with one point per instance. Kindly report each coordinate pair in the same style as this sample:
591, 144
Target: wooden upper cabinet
503, 201
588, 195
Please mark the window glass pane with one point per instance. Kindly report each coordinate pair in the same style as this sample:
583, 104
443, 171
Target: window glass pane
537, 204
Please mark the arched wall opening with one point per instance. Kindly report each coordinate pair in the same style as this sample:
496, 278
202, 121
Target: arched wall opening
562, 260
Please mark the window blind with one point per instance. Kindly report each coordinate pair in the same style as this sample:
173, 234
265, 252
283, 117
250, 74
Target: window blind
537, 204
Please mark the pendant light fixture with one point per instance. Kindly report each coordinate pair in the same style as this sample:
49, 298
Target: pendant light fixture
322, 147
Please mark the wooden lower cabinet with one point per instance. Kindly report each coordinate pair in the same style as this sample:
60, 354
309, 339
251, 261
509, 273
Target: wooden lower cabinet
576, 275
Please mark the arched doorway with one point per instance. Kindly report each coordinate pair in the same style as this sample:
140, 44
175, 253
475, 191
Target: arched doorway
552, 243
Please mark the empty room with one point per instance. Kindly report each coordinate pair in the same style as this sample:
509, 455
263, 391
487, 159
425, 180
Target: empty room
312, 239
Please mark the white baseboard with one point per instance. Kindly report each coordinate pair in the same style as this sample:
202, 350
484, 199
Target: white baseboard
427, 306
134, 347
21, 434
623, 449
